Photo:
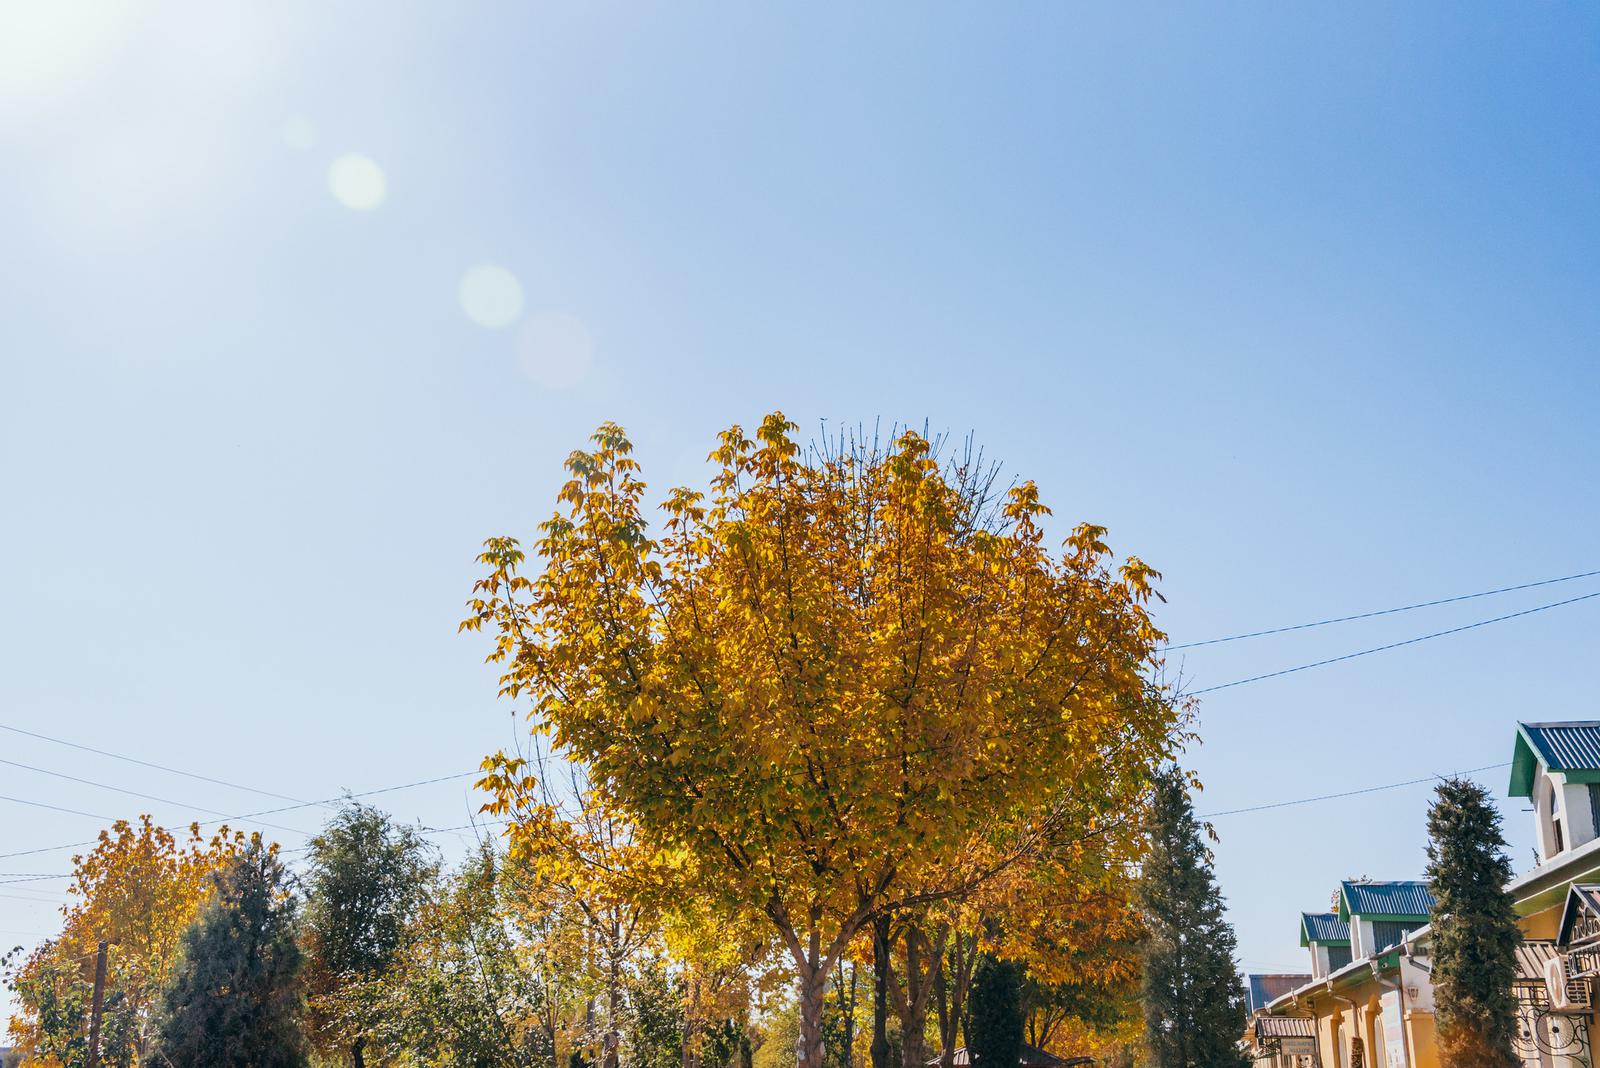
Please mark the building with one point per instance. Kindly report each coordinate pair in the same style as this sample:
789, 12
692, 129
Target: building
1369, 1000
1359, 1007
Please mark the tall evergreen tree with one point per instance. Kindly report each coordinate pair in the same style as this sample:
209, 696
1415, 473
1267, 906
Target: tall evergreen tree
1475, 931
234, 1000
1194, 1007
367, 878
994, 1028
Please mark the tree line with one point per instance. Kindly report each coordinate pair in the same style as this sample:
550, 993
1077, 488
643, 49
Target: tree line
847, 713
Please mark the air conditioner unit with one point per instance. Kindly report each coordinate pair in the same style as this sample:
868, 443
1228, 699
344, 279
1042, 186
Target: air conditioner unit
1566, 994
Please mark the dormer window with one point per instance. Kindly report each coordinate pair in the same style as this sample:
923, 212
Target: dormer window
1381, 915
1557, 766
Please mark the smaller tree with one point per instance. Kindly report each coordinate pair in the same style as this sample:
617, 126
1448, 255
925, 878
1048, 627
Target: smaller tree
367, 878
994, 1038
234, 1001
1475, 932
1194, 1006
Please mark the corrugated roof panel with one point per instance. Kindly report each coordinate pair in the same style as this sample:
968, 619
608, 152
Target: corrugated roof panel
1265, 989
1285, 1027
1571, 746
1531, 958
1409, 898
1322, 927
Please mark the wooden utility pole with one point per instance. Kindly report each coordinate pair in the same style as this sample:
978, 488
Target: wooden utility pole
94, 1005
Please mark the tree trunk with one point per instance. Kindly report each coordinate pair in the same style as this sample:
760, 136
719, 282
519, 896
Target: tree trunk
924, 967
952, 1012
358, 1051
849, 1007
881, 964
613, 1041
813, 990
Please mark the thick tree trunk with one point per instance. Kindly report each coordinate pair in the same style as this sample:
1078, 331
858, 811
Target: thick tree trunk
813, 990
881, 963
357, 1052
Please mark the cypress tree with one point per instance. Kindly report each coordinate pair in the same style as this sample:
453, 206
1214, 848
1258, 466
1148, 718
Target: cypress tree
994, 1027
1475, 932
234, 1001
1194, 1006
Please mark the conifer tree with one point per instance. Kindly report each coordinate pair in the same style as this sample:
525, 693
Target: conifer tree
234, 1000
1194, 1004
1475, 932
994, 1029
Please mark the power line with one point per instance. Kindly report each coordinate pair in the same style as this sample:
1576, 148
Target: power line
147, 764
1383, 611
134, 793
244, 816
56, 808
1393, 645
1351, 793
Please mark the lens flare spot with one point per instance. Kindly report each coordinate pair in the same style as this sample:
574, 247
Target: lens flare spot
357, 182
491, 296
555, 349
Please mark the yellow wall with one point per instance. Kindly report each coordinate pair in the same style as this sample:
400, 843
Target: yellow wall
1541, 926
1419, 1034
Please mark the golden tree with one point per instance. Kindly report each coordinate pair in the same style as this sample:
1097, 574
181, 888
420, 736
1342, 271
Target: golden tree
830, 676
137, 890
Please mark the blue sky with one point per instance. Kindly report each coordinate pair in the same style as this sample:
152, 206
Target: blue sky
1299, 302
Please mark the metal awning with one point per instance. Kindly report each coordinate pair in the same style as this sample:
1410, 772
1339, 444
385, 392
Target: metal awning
1285, 1027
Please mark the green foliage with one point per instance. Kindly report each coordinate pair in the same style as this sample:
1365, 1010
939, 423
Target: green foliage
1475, 932
995, 1023
367, 879
1194, 1003
58, 994
467, 995
656, 1037
234, 1000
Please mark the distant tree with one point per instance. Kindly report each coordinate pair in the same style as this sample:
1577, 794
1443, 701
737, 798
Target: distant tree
367, 879
494, 973
1475, 932
138, 889
234, 1000
994, 1029
1194, 1006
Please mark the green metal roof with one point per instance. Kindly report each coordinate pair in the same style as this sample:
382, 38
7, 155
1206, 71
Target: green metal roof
1571, 747
1406, 900
1324, 928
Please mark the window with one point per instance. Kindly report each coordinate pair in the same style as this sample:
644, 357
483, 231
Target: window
1338, 957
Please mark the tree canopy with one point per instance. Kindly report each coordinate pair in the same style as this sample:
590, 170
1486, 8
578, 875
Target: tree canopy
368, 877
841, 676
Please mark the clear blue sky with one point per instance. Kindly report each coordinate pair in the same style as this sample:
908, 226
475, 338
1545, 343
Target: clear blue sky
1299, 302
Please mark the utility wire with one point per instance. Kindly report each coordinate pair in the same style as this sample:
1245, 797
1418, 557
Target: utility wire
1352, 793
1383, 611
135, 793
244, 816
1393, 645
148, 764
